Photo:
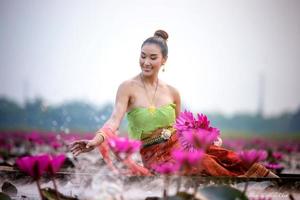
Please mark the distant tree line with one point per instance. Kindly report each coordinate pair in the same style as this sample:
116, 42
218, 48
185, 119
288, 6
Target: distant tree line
284, 123
84, 117
71, 116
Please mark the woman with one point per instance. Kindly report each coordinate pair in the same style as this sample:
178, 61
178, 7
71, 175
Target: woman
152, 107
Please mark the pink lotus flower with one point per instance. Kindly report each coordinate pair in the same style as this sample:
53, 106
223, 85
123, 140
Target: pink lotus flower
55, 144
260, 143
166, 168
185, 121
197, 139
187, 159
289, 148
277, 155
202, 122
35, 138
34, 166
252, 156
195, 133
123, 146
55, 163
274, 166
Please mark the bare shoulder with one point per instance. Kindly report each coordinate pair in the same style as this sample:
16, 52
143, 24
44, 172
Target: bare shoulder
128, 85
173, 90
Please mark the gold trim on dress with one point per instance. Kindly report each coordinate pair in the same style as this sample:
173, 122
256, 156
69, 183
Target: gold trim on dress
158, 136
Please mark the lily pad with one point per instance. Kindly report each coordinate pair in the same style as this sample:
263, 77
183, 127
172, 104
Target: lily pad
50, 194
222, 192
9, 189
184, 196
68, 163
178, 196
4, 196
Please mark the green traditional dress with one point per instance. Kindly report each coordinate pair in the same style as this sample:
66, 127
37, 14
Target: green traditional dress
216, 162
141, 122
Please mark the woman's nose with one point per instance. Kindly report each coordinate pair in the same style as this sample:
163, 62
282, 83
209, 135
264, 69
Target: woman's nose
147, 62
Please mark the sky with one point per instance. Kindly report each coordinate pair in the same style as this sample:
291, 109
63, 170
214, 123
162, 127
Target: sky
225, 56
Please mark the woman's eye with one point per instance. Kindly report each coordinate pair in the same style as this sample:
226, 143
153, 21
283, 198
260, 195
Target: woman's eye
153, 58
143, 57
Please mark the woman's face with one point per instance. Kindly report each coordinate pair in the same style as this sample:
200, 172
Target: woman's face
151, 59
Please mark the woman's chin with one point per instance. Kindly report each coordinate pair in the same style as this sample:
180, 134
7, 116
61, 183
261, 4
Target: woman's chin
147, 73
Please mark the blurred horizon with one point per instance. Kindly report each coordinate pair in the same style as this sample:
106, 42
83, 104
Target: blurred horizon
46, 103
225, 57
72, 116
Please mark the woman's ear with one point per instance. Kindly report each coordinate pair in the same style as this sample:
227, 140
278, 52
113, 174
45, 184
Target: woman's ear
164, 60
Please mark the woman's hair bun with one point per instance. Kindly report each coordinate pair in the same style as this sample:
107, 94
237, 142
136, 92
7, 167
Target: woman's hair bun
161, 33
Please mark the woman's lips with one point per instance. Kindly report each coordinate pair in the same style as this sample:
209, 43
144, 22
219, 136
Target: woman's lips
147, 70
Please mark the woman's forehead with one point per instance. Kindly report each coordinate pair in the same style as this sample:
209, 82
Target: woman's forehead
151, 49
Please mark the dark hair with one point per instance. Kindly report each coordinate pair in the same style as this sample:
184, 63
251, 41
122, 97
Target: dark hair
160, 38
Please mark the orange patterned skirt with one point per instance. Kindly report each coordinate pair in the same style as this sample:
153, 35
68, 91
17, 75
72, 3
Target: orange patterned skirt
217, 161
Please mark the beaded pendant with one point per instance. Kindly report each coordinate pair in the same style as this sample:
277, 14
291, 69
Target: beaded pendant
151, 109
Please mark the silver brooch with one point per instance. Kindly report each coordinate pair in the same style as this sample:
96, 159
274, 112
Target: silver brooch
166, 134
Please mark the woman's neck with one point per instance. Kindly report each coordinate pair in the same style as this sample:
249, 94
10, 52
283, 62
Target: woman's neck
151, 80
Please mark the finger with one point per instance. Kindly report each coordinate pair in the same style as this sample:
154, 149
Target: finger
89, 145
88, 149
76, 142
72, 146
76, 153
76, 146
75, 150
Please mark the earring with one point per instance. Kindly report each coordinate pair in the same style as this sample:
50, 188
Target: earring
163, 69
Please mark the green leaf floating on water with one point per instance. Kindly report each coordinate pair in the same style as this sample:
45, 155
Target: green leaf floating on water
222, 192
50, 194
184, 196
4, 196
178, 196
9, 189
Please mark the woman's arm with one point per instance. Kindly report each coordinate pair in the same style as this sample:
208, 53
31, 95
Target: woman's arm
120, 108
113, 123
177, 100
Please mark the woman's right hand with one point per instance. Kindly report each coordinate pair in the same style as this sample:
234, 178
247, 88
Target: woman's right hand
83, 146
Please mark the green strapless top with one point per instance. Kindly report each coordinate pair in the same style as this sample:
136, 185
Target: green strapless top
141, 121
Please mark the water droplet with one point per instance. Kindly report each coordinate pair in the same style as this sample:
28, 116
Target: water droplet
69, 119
96, 119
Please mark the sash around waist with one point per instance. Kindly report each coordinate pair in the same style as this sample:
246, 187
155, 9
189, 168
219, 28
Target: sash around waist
158, 136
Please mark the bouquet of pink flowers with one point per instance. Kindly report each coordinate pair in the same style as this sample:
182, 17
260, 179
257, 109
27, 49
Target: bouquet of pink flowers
195, 133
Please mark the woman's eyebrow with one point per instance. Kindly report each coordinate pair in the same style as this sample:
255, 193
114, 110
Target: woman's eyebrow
154, 54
